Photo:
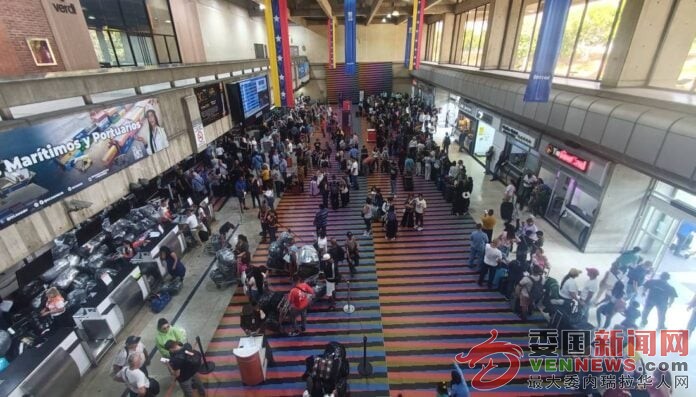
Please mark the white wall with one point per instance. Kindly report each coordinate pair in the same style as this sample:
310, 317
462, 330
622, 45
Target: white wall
376, 43
227, 30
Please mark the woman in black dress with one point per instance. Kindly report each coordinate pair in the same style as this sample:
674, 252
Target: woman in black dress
392, 223
408, 219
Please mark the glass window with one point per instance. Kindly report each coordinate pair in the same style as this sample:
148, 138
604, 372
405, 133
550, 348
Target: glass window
589, 30
122, 32
122, 48
161, 47
583, 203
518, 156
471, 37
433, 42
173, 50
160, 18
687, 75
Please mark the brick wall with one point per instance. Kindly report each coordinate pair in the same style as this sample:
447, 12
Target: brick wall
23, 19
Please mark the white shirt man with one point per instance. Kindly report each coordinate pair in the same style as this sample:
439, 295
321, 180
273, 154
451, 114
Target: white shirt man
421, 205
510, 191
193, 224
528, 181
132, 376
219, 151
354, 168
492, 256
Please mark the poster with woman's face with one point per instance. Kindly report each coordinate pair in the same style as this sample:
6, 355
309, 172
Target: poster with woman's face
42, 52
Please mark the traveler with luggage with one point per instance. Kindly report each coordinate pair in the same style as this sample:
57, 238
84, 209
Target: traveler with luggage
333, 276
299, 297
184, 363
478, 240
175, 268
132, 345
321, 219
392, 225
334, 192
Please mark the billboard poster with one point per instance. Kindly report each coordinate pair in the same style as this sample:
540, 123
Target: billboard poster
43, 163
211, 102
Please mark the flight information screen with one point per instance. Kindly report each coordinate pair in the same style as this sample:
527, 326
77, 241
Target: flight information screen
254, 95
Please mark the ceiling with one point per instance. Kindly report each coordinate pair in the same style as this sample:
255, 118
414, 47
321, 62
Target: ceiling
309, 12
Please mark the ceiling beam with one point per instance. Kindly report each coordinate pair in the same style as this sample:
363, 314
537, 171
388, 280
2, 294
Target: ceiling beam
326, 7
467, 5
373, 11
432, 3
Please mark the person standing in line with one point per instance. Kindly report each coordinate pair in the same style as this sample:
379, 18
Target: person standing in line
321, 219
139, 385
269, 196
420, 206
479, 239
660, 295
393, 173
352, 252
367, 216
589, 290
132, 345
166, 332
354, 171
490, 153
523, 292
240, 188
299, 297
492, 257
488, 222
183, 365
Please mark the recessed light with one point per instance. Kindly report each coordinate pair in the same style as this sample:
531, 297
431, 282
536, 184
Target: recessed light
395, 13
167, 21
389, 16
262, 7
91, 17
384, 20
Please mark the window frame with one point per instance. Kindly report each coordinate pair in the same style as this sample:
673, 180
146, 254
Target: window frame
464, 42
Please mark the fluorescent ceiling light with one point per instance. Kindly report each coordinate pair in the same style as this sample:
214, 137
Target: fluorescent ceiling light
384, 20
389, 16
262, 7
395, 13
167, 21
91, 17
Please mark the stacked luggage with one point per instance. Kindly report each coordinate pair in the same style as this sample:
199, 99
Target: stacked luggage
276, 307
225, 273
327, 372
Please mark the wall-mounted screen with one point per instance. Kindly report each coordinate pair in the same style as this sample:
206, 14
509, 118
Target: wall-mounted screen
249, 97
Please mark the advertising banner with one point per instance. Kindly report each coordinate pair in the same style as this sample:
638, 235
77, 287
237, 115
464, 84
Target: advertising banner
43, 163
211, 102
349, 8
548, 47
409, 28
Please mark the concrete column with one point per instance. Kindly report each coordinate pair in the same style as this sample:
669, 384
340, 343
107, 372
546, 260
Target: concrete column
619, 207
510, 29
497, 19
447, 38
637, 41
188, 30
676, 45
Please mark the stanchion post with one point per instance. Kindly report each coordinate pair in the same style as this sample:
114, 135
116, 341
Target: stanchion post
207, 366
348, 308
365, 368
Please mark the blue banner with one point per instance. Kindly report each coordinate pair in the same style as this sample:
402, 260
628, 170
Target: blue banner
349, 9
407, 56
46, 162
548, 46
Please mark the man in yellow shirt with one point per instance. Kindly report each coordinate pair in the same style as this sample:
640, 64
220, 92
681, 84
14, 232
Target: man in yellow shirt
488, 223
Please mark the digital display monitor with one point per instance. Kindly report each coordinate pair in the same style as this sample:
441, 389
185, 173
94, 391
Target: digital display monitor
34, 269
254, 95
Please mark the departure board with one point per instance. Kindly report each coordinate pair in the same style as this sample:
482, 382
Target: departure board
254, 95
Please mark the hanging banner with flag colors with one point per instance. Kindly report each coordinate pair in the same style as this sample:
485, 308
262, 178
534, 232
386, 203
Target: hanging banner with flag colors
417, 33
548, 47
276, 15
331, 25
409, 27
351, 61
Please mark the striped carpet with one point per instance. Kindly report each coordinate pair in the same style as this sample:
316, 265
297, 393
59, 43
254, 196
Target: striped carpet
296, 211
432, 307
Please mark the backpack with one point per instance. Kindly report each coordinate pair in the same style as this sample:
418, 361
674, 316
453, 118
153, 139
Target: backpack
159, 302
194, 359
